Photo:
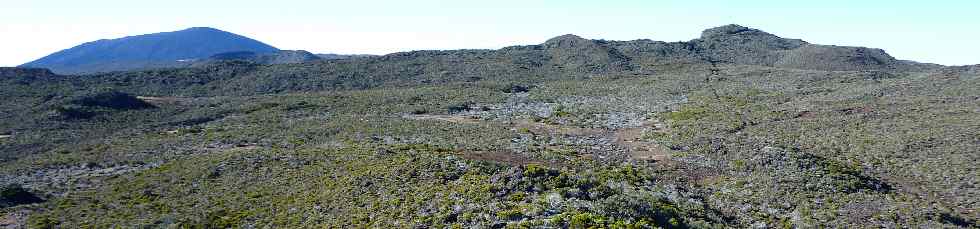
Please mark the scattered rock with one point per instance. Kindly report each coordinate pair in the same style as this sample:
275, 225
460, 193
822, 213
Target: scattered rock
15, 219
516, 88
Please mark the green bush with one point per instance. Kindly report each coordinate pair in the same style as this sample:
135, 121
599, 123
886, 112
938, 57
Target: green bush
512, 214
586, 220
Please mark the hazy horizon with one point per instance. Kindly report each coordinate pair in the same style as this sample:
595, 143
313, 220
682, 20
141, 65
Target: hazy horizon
917, 31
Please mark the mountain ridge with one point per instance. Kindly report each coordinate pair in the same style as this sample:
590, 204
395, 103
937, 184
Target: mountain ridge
148, 50
563, 57
727, 44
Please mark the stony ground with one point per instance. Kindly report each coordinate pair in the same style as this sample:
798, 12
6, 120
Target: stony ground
570, 133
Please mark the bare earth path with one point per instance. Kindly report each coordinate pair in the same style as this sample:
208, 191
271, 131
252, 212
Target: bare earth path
630, 139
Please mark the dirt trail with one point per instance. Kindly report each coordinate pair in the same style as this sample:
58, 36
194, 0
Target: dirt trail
445, 118
545, 128
632, 140
216, 148
162, 100
533, 127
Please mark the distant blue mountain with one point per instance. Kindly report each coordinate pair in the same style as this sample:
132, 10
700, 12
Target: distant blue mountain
168, 49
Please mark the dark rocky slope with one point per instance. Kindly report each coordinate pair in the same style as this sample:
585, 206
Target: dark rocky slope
147, 51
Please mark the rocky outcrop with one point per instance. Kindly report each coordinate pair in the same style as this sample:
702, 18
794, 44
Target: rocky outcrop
574, 52
736, 44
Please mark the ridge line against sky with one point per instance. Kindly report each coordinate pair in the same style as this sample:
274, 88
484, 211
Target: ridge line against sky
933, 32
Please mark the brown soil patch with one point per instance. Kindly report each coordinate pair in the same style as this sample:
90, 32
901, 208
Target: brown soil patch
628, 138
534, 127
545, 128
806, 114
445, 118
632, 140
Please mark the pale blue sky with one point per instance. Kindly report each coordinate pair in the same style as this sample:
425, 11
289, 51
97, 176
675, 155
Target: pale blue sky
938, 31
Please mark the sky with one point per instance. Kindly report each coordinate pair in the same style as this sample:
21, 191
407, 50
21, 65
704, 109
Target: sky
938, 31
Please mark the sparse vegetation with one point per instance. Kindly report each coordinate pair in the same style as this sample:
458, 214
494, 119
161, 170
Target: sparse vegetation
445, 139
